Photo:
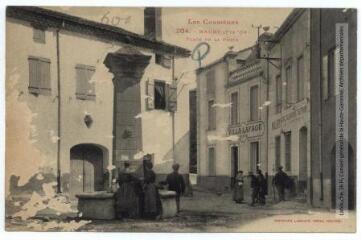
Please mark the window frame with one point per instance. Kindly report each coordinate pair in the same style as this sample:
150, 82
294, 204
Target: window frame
256, 86
254, 164
299, 87
164, 85
39, 29
37, 87
79, 93
288, 154
236, 92
279, 91
289, 85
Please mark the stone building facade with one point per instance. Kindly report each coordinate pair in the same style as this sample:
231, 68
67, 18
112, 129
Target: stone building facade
295, 72
89, 97
325, 55
225, 89
289, 92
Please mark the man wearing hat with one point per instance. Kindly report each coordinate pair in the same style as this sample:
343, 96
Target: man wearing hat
176, 183
280, 181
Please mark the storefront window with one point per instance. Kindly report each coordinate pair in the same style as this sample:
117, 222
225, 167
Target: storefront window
288, 156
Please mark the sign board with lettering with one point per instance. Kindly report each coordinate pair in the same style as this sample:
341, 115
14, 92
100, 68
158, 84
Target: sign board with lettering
289, 117
247, 130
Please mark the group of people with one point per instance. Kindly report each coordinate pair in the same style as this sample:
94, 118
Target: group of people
259, 186
139, 198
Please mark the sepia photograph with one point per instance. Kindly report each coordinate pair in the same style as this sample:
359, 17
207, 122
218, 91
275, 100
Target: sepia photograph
180, 119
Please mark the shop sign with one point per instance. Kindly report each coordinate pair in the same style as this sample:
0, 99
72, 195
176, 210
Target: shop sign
289, 117
247, 130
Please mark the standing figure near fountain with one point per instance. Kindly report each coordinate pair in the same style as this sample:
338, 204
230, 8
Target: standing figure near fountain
152, 204
128, 195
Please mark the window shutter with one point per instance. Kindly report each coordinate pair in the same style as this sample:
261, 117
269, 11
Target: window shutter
172, 97
325, 77
149, 94
34, 74
254, 104
81, 82
39, 34
44, 75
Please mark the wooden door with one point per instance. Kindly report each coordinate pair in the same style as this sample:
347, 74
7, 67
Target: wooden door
302, 160
86, 169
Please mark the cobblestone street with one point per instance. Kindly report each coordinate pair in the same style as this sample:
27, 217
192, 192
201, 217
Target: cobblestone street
208, 212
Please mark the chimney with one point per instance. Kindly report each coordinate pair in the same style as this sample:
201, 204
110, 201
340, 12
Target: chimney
153, 23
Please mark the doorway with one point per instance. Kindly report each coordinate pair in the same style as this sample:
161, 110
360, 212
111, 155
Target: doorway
234, 164
302, 160
86, 169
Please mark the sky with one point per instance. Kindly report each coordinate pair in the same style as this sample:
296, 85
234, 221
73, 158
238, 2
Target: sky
187, 27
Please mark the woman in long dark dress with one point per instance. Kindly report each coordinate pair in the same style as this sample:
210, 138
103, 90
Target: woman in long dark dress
128, 194
238, 188
152, 205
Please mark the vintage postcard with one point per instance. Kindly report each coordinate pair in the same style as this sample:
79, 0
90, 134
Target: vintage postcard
159, 119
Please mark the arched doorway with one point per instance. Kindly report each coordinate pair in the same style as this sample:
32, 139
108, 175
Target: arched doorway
351, 178
86, 169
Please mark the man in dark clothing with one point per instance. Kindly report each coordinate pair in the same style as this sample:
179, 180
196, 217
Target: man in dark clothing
262, 187
176, 183
280, 181
254, 186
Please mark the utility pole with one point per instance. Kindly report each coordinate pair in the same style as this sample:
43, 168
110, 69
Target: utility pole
58, 166
258, 30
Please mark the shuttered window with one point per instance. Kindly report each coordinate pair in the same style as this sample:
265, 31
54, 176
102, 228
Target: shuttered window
278, 94
39, 76
159, 95
254, 103
38, 34
85, 85
300, 79
211, 161
234, 108
289, 85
